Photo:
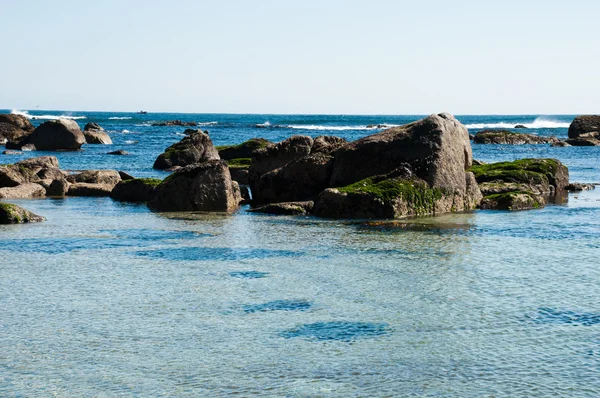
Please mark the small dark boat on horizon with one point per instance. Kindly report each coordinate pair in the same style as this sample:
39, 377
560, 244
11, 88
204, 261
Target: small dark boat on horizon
142, 112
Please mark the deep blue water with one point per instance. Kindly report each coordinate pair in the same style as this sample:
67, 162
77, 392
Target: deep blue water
110, 299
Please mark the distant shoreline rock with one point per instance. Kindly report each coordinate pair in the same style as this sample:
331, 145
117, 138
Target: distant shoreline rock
510, 137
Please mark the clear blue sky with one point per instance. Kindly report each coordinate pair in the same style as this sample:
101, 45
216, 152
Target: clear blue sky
327, 56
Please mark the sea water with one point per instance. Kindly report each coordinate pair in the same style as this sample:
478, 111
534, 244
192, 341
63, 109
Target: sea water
110, 299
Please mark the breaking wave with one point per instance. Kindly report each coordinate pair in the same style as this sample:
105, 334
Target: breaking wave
207, 123
539, 123
338, 128
46, 117
120, 118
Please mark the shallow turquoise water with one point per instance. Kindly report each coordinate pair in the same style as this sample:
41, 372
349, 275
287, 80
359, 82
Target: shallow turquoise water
110, 299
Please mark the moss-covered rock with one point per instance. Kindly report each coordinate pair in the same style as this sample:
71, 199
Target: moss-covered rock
243, 150
514, 200
239, 163
510, 137
13, 214
286, 208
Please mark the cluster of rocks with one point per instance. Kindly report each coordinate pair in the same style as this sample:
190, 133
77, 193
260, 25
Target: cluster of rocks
510, 137
17, 133
585, 131
175, 123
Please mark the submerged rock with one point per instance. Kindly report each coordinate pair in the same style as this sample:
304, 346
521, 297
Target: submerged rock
194, 148
174, 123
510, 137
286, 208
13, 214
119, 152
204, 186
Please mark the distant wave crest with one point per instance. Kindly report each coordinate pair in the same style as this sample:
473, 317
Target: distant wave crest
120, 118
46, 117
539, 123
207, 123
338, 128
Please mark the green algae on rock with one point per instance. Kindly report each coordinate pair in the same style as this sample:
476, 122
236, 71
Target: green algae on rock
13, 214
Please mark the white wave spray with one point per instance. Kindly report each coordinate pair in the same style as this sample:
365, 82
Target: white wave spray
46, 117
539, 123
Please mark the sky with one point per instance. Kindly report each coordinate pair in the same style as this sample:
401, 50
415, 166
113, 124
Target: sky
288, 56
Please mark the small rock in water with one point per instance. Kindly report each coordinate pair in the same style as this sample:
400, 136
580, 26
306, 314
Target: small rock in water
13, 214
520, 126
9, 152
578, 186
119, 152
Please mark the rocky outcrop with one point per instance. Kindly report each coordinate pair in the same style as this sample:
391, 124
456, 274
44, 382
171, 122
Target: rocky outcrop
510, 137
204, 186
11, 133
30, 170
243, 150
18, 121
327, 144
521, 184
520, 126
62, 134
578, 186
97, 137
194, 148
93, 127
135, 190
13, 214
286, 208
589, 139
88, 189
560, 144
585, 131
174, 123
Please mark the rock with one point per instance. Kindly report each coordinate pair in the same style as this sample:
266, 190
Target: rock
520, 126
275, 156
560, 144
175, 123
478, 162
23, 191
578, 186
109, 177
56, 135
87, 189
471, 137
521, 184
40, 162
245, 193
97, 137
194, 148
10, 132
30, 170
204, 186
18, 121
437, 149
510, 137
92, 127
286, 208
589, 139
119, 152
243, 150
135, 190
13, 214
239, 174
125, 176
299, 180
327, 144
10, 176
9, 152
58, 188
585, 125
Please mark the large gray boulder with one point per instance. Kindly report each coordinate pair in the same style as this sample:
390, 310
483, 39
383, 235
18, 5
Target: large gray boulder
204, 186
109, 177
23, 191
62, 134
13, 214
194, 148
18, 121
94, 134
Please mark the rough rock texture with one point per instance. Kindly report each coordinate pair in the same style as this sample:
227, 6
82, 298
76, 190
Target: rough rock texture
286, 208
243, 150
578, 186
18, 121
12, 133
13, 214
560, 144
58, 188
57, 134
585, 125
194, 148
87, 189
521, 184
327, 144
30, 170
97, 137
204, 186
239, 175
298, 180
109, 177
275, 156
92, 127
23, 191
437, 149
125, 176
589, 139
510, 137
135, 190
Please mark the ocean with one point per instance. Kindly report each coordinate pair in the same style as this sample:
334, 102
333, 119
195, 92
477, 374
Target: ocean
110, 299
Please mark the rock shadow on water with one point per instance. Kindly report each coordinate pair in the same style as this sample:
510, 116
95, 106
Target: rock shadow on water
278, 305
216, 253
338, 331
249, 274
564, 317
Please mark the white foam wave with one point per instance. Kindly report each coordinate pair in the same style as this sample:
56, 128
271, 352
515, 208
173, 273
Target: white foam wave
207, 123
120, 118
125, 131
539, 123
338, 128
46, 117
264, 125
130, 142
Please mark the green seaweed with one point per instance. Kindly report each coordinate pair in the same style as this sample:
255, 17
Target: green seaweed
506, 198
531, 171
153, 182
252, 144
417, 194
239, 163
11, 212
